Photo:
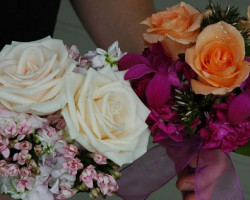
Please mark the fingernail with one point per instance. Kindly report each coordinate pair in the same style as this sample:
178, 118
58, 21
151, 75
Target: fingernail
187, 186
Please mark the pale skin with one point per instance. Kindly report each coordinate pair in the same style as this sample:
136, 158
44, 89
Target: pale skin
185, 182
110, 20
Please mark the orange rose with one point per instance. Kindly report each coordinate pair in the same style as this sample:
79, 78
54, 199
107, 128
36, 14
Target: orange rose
176, 28
218, 60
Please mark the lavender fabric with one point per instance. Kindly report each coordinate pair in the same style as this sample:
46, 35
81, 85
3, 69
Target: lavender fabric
155, 168
216, 165
163, 162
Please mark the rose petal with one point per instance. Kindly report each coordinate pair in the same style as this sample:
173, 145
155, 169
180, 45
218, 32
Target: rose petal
130, 60
137, 71
158, 90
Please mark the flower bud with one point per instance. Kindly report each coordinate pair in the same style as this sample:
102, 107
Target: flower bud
83, 187
36, 139
36, 171
115, 166
12, 143
94, 193
38, 150
116, 174
32, 164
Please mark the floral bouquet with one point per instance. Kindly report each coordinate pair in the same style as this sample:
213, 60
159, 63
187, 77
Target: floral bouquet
194, 78
67, 122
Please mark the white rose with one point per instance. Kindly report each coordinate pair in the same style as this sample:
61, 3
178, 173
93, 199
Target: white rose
32, 76
104, 115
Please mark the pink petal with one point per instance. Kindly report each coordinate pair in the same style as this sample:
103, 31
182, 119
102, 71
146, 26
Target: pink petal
174, 79
6, 153
239, 109
137, 71
158, 90
130, 60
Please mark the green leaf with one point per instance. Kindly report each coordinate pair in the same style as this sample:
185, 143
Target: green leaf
247, 51
244, 150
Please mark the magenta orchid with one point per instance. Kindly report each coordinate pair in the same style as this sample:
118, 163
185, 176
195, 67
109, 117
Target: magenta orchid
159, 67
239, 108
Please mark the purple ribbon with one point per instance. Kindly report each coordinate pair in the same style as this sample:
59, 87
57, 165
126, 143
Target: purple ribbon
163, 162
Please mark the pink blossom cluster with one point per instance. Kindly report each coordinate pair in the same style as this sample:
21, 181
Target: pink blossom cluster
16, 161
165, 123
56, 120
74, 53
11, 130
218, 132
105, 182
35, 156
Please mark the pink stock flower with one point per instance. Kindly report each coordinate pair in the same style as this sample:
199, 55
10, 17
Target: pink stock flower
57, 120
162, 122
25, 173
23, 146
12, 170
100, 158
65, 193
3, 167
21, 158
88, 175
71, 151
4, 142
219, 133
107, 184
9, 129
25, 184
49, 135
24, 128
50, 131
74, 53
73, 165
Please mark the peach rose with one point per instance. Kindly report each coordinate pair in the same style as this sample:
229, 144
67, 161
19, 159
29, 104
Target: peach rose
177, 28
218, 60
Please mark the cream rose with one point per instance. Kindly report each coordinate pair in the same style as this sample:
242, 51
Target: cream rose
32, 76
104, 115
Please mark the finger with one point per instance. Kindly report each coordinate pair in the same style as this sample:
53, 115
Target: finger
207, 193
4, 197
190, 196
211, 165
193, 162
185, 182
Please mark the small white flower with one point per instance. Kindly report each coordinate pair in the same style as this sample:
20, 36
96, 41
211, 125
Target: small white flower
101, 58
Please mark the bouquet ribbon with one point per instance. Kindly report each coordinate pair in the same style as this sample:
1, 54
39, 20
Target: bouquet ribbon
163, 162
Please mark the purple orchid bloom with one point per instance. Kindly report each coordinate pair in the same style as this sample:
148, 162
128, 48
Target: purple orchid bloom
161, 67
239, 109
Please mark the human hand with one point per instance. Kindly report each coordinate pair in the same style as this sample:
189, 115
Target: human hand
212, 164
5, 197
